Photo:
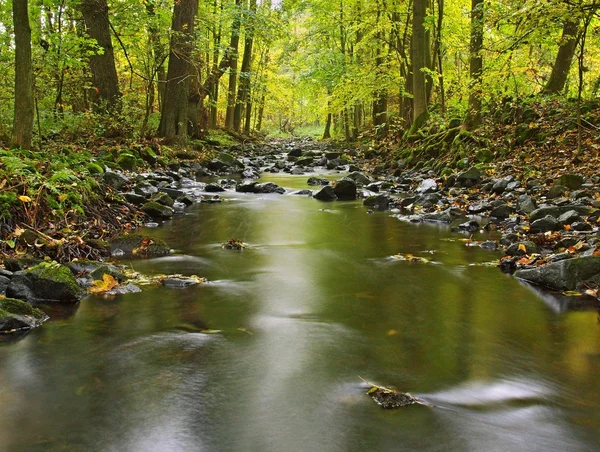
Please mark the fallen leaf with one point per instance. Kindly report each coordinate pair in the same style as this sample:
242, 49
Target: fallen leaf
24, 198
107, 283
522, 247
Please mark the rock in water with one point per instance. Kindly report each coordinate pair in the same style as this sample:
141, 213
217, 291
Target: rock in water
345, 189
18, 315
564, 275
326, 194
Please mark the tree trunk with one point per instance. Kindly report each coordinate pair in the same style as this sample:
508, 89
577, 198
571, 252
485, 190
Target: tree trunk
380, 101
564, 58
174, 115
419, 44
233, 48
327, 131
244, 88
476, 65
105, 83
214, 92
24, 101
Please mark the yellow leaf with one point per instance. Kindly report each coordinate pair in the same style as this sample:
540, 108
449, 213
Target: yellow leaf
61, 198
392, 333
24, 198
107, 283
522, 247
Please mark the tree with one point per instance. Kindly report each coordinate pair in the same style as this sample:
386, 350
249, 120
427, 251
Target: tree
243, 96
174, 114
475, 65
105, 83
24, 101
564, 58
419, 62
233, 50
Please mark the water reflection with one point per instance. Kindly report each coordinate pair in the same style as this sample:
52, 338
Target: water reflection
313, 303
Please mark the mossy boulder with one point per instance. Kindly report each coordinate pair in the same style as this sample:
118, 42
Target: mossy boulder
94, 168
48, 282
163, 199
127, 161
571, 181
140, 245
156, 210
18, 315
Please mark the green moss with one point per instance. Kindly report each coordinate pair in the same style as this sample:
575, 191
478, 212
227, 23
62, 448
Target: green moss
127, 161
7, 201
18, 307
55, 272
94, 168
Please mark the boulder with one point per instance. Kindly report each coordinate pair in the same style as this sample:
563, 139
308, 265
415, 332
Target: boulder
427, 186
563, 275
557, 191
134, 198
156, 210
501, 211
18, 315
548, 223
145, 189
526, 204
557, 211
317, 181
569, 217
571, 181
345, 189
446, 216
359, 178
379, 202
213, 188
326, 194
269, 187
500, 185
230, 160
469, 178
45, 283
163, 199
173, 192
115, 180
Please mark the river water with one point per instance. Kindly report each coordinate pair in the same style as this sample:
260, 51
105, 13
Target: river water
314, 303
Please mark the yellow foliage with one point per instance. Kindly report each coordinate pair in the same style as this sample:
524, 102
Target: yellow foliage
107, 283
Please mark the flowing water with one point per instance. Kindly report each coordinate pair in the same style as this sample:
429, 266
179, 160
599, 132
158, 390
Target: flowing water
316, 301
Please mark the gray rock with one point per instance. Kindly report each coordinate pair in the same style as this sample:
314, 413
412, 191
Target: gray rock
567, 274
469, 226
581, 226
469, 178
557, 191
489, 245
45, 283
359, 178
123, 289
557, 211
530, 248
145, 189
115, 180
230, 160
163, 199
548, 223
500, 185
179, 282
134, 198
213, 188
269, 187
19, 315
478, 207
250, 174
427, 186
501, 211
4, 282
526, 204
326, 194
172, 192
345, 189
447, 216
317, 181
569, 217
571, 181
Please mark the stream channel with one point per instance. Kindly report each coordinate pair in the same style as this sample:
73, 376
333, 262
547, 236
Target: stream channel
315, 301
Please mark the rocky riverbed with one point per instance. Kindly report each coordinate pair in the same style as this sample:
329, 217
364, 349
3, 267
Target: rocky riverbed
546, 227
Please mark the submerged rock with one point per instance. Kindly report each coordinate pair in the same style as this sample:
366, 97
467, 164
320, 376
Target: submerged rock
326, 194
564, 275
18, 315
139, 245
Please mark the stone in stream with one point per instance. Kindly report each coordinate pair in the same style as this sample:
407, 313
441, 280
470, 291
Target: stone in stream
317, 181
548, 223
213, 188
45, 283
139, 245
326, 194
568, 274
469, 178
360, 178
18, 315
501, 211
526, 204
163, 199
447, 216
427, 186
156, 210
145, 189
345, 189
379, 202
115, 180
557, 211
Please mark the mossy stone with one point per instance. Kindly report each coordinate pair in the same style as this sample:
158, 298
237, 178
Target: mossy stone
164, 199
139, 244
47, 282
18, 315
127, 161
94, 168
156, 210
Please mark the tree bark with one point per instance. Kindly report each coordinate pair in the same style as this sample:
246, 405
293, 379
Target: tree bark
24, 101
174, 115
419, 43
243, 95
476, 65
564, 58
105, 83
233, 48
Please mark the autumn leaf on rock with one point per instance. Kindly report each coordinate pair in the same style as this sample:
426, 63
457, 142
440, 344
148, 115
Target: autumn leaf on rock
107, 283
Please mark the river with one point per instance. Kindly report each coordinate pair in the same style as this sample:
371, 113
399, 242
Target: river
316, 301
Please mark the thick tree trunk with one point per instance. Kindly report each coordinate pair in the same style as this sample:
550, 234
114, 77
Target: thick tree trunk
214, 92
564, 58
476, 65
233, 48
24, 101
327, 131
105, 83
244, 89
174, 115
419, 44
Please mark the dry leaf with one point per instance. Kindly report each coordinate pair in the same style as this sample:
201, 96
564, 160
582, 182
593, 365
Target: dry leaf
107, 283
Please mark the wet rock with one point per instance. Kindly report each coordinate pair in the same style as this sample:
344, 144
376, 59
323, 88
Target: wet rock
134, 198
4, 282
115, 180
557, 211
139, 245
489, 245
447, 216
172, 192
163, 199
295, 152
478, 207
469, 178
186, 200
145, 189
250, 174
326, 194
45, 283
19, 315
500, 185
548, 223
526, 204
581, 226
569, 217
317, 181
557, 191
359, 178
269, 187
567, 274
123, 289
230, 161
501, 211
179, 282
379, 202
217, 165
427, 186
516, 249
305, 161
157, 211
345, 189
469, 226
213, 188
570, 181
